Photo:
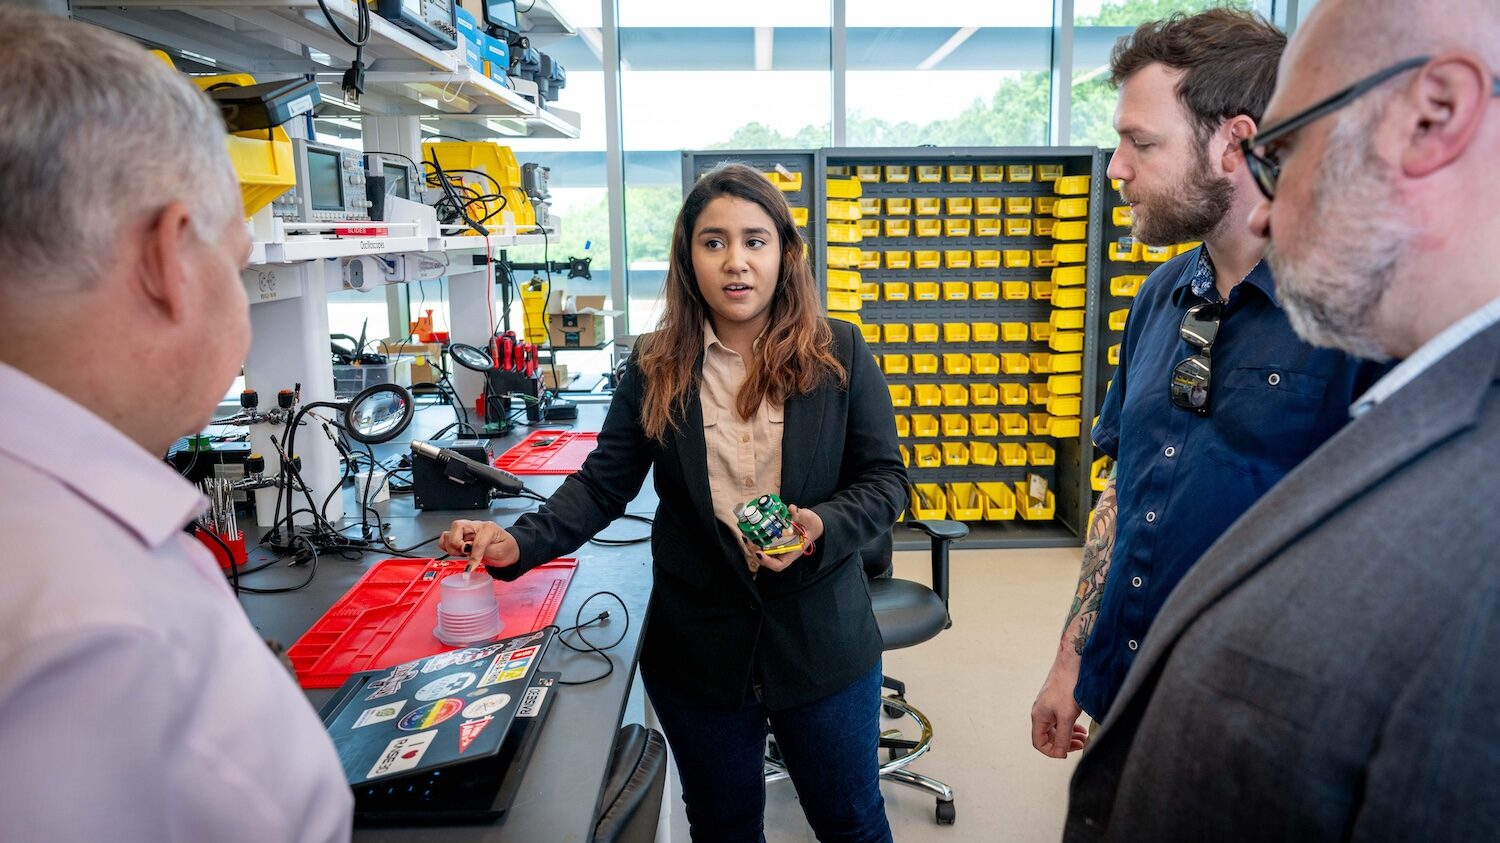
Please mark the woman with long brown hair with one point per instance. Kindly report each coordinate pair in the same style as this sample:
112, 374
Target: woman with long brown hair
744, 390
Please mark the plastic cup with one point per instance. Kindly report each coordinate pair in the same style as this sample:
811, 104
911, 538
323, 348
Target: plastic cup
468, 612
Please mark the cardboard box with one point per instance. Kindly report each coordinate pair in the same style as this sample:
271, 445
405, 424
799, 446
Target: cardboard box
561, 370
425, 357
575, 330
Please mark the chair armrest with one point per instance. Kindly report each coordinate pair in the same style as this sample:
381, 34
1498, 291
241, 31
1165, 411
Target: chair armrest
942, 534
946, 530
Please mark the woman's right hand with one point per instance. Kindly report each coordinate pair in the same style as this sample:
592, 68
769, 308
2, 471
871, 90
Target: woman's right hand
480, 542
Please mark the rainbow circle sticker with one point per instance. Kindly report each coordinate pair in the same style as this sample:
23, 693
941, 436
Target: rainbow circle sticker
429, 715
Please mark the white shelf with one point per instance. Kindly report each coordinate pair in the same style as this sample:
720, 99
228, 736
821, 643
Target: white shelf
544, 24
303, 249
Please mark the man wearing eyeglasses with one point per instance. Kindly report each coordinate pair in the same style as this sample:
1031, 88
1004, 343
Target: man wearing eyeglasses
1328, 670
1215, 398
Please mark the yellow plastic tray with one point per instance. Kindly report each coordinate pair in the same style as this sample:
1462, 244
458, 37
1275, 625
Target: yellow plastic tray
1066, 341
869, 291
1157, 254
1099, 473
905, 454
964, 501
987, 205
960, 205
1065, 384
960, 173
869, 206
843, 257
1045, 205
924, 364
871, 333
897, 260
1044, 226
1040, 422
983, 453
1067, 362
1041, 331
1041, 290
984, 424
985, 331
897, 332
897, 173
955, 331
900, 395
1120, 215
1113, 355
957, 227
895, 364
839, 300
999, 501
1037, 391
898, 228
928, 500
1041, 362
898, 206
986, 227
955, 364
844, 232
984, 394
1065, 428
799, 217
954, 424
1125, 250
897, 291
865, 172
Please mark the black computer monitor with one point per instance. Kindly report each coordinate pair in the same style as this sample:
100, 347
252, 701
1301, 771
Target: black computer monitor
501, 14
326, 184
398, 179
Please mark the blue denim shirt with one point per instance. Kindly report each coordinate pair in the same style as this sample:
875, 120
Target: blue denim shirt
1181, 479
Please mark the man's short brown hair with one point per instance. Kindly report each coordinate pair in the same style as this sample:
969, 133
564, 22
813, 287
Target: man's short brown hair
1227, 58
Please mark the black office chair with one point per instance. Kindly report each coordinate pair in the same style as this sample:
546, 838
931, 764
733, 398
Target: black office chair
907, 613
631, 804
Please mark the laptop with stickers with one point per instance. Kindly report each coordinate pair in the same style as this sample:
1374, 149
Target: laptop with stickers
439, 737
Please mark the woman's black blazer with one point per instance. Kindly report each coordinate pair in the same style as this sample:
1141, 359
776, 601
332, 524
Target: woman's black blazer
714, 630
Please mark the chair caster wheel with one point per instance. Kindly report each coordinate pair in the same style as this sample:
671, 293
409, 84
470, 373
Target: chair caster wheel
892, 711
945, 812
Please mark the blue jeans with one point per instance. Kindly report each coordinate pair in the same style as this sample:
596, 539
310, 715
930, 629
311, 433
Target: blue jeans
830, 747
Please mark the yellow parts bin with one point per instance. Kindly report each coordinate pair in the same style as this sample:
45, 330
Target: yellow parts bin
1017, 258
898, 228
1072, 186
1045, 205
869, 229
897, 332
1113, 355
999, 501
1012, 454
1120, 215
1125, 250
924, 332
1157, 254
905, 454
1117, 318
924, 364
1012, 424
987, 226
1059, 341
1099, 473
871, 333
964, 501
844, 232
1014, 363
1071, 253
1041, 362
1071, 208
1125, 286
1044, 258
786, 181
869, 206
986, 259
1049, 172
1018, 204
1067, 362
869, 259
1037, 391
897, 173
983, 453
1064, 384
984, 363
1071, 230
956, 363
900, 395
927, 259
929, 173
928, 455
955, 395
929, 206
897, 291
929, 228
957, 227
845, 188
924, 425
991, 173
486, 161
1045, 226
985, 331
1019, 172
1041, 331
898, 206
1035, 510
958, 258
1068, 297
929, 395
1068, 276
955, 331
1066, 320
925, 290
1013, 394
844, 211
799, 217
839, 300
851, 318
1013, 331
843, 257
895, 364
1064, 405
1017, 227
955, 453
903, 426
984, 424
960, 205
960, 173
897, 260
984, 394
867, 172
1065, 428
843, 279
954, 425
1040, 453
1040, 422
1014, 290
987, 206
928, 500
869, 291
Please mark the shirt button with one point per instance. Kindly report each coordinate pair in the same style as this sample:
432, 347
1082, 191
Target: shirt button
1273, 379
749, 481
744, 437
1150, 516
1170, 451
1135, 581
1132, 644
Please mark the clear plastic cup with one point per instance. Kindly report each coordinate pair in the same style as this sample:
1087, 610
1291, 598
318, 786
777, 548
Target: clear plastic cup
468, 612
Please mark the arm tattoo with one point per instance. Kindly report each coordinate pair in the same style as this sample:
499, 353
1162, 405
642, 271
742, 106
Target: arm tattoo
1098, 547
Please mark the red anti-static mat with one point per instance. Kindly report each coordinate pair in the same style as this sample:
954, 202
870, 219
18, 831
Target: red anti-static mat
387, 618
549, 452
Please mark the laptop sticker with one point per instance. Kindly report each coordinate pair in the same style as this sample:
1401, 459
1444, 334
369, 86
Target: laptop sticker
429, 715
402, 754
447, 686
470, 730
487, 706
379, 714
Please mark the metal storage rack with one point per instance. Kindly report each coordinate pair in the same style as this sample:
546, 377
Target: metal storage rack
955, 295
802, 165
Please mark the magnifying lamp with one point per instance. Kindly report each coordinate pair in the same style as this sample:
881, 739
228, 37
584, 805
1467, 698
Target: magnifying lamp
471, 357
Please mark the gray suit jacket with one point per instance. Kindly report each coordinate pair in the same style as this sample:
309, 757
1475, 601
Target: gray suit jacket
1330, 669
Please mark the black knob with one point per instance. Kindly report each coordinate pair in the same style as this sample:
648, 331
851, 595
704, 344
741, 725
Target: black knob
249, 399
285, 399
255, 464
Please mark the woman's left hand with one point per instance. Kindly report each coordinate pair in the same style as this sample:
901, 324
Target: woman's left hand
809, 521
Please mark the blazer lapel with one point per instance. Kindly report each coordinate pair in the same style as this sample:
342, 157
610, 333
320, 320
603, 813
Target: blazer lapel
801, 431
1441, 402
692, 452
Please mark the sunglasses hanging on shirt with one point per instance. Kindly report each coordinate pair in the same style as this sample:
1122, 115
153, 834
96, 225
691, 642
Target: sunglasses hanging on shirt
1191, 377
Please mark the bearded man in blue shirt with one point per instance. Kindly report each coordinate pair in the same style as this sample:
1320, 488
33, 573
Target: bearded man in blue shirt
1215, 398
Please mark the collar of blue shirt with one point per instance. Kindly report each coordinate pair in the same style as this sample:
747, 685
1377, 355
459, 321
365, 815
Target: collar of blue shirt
1199, 276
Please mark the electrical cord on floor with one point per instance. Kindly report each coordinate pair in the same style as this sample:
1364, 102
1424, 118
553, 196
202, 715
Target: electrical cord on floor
588, 646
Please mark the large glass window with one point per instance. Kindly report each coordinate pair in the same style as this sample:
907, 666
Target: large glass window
1098, 24
958, 73
699, 75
